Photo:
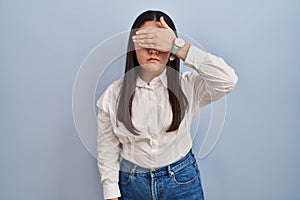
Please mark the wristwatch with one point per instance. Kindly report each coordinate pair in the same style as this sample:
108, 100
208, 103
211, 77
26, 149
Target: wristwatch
178, 43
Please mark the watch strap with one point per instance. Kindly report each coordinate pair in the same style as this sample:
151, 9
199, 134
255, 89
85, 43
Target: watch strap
174, 50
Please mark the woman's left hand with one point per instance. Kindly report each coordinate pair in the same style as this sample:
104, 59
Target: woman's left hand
160, 39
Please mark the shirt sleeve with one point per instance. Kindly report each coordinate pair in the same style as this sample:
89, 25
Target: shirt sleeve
108, 148
214, 79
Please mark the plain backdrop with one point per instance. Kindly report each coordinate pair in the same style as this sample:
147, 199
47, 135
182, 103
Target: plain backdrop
43, 43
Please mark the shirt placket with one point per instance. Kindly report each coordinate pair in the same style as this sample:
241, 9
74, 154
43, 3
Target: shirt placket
154, 122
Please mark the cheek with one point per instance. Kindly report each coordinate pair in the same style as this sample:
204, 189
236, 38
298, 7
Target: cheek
165, 57
140, 55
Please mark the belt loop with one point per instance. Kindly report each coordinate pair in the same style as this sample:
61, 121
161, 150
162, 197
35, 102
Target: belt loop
170, 172
132, 172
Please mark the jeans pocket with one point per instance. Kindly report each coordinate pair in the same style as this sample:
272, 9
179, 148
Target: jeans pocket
124, 178
186, 175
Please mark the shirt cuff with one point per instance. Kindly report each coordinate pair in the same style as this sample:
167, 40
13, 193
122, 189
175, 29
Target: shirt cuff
111, 191
195, 56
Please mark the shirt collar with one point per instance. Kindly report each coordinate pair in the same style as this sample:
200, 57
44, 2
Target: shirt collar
158, 80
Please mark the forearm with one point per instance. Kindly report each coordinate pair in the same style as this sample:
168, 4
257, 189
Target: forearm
108, 150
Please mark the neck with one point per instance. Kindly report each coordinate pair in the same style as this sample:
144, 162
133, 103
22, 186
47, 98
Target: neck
148, 76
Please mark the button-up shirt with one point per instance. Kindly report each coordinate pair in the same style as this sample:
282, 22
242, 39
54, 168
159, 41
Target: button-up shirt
152, 115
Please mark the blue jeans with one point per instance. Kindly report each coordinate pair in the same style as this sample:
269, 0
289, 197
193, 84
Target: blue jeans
178, 181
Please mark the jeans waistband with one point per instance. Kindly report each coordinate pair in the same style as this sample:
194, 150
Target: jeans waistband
129, 167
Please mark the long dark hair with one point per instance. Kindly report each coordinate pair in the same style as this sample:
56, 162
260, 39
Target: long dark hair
177, 99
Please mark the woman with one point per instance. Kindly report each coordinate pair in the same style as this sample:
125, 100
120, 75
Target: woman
146, 116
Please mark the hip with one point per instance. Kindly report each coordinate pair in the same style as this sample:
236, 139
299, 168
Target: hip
179, 180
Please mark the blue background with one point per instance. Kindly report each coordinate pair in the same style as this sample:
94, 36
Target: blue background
43, 43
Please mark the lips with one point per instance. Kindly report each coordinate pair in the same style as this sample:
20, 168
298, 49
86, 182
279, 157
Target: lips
153, 59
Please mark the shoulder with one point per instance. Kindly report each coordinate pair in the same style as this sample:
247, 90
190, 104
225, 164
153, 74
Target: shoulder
115, 86
111, 93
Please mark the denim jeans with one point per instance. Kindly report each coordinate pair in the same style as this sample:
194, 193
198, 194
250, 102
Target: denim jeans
178, 181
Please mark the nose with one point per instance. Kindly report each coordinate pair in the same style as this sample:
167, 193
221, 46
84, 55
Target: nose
153, 51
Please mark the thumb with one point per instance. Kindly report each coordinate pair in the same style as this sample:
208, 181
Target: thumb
163, 23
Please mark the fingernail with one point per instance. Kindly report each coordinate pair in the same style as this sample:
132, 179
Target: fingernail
137, 32
133, 37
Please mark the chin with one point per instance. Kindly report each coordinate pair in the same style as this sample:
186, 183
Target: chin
153, 67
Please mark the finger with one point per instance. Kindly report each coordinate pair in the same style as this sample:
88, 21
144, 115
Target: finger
142, 36
137, 46
144, 41
164, 23
146, 31
147, 46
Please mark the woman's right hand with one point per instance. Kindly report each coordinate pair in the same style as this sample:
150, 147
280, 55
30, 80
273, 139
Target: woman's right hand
160, 39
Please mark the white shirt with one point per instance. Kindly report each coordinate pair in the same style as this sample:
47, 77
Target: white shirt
152, 115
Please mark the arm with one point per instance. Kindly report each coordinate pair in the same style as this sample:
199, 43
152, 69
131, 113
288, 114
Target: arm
108, 149
215, 78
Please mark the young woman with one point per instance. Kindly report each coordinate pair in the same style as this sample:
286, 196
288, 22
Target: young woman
144, 119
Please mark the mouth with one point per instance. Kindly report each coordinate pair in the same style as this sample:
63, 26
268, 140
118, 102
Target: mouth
152, 59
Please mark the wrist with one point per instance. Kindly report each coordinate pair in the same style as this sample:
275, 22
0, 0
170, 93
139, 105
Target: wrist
182, 52
178, 43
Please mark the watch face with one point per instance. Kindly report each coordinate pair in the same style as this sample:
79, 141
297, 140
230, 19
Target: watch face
179, 42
